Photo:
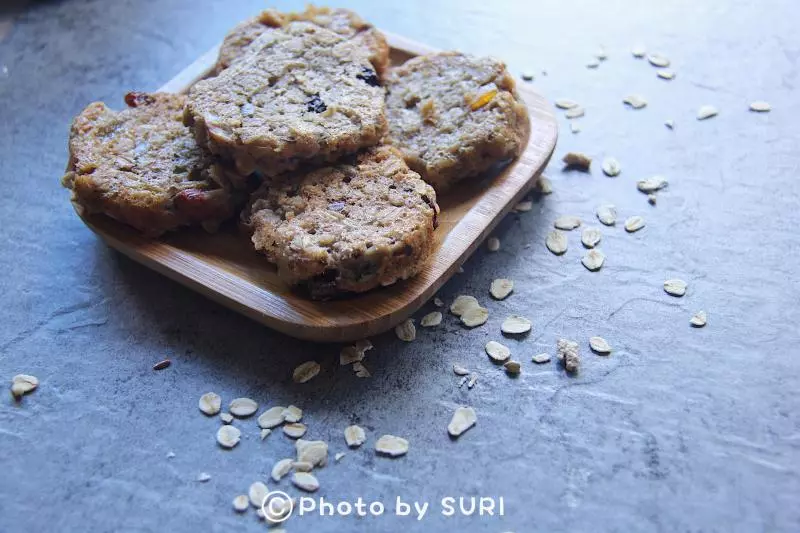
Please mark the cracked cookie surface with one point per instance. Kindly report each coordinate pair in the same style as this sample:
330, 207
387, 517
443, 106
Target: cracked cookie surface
350, 227
301, 94
341, 21
143, 167
454, 116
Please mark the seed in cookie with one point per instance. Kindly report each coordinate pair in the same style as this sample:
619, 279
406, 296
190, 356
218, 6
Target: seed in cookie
450, 103
305, 225
143, 167
261, 113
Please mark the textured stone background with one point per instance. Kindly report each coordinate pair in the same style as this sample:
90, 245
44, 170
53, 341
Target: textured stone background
678, 430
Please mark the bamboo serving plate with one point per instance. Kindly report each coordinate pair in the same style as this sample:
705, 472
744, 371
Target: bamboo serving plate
225, 267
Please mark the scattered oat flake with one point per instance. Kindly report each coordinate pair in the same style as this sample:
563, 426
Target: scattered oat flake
161, 365
497, 352
675, 287
338, 457
241, 503
302, 466
611, 167
665, 74
463, 419
639, 51
462, 304
593, 260
405, 330
349, 355
540, 358
567, 352
635, 101
545, 185
575, 112
670, 124
243, 407
656, 183
527, 76
360, 370
607, 214
226, 418
599, 345
706, 111
22, 384
271, 418
312, 451
438, 302
210, 403
634, 223
431, 319
590, 237
515, 325
459, 370
265, 433
305, 372
567, 222
565, 103
473, 379
463, 381
475, 316
257, 493
295, 430
512, 367
228, 436
391, 446
202, 477
657, 60
354, 436
577, 160
524, 206
281, 468
305, 481
759, 106
171, 455
574, 127
292, 414
493, 244
501, 288
699, 319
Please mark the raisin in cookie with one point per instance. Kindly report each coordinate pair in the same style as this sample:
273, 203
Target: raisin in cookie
342, 21
454, 116
143, 167
302, 93
346, 228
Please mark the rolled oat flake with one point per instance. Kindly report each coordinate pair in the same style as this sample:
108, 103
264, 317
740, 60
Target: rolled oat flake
475, 316
431, 319
611, 167
556, 242
675, 287
575, 112
656, 183
226, 418
699, 319
567, 222
281, 468
459, 370
305, 481
657, 60
22, 384
566, 103
707, 111
292, 414
391, 445
243, 407
257, 493
305, 372
607, 214
241, 503
210, 403
760, 106
515, 325
540, 358
463, 419
493, 244
634, 224
497, 352
354, 436
462, 304
512, 367
590, 237
635, 101
577, 160
271, 418
599, 345
406, 331
501, 288
593, 260
295, 430
228, 436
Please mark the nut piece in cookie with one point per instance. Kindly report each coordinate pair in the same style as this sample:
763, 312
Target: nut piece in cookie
348, 227
302, 93
143, 167
342, 21
454, 116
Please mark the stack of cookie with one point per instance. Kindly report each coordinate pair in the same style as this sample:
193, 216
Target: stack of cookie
330, 157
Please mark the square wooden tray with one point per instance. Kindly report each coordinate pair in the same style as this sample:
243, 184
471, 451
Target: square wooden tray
226, 268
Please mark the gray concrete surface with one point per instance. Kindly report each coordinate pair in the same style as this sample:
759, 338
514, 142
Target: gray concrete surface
679, 430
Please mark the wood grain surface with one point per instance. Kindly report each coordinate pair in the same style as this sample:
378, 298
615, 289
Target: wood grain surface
226, 268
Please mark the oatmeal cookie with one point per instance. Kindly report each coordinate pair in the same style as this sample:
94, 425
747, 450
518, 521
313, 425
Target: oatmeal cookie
342, 21
142, 167
454, 116
302, 94
350, 227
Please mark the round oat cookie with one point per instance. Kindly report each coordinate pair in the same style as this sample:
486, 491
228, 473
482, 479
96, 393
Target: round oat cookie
143, 167
301, 94
454, 116
346, 228
342, 21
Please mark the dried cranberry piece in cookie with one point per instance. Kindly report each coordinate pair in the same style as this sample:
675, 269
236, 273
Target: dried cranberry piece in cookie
316, 104
369, 77
135, 99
